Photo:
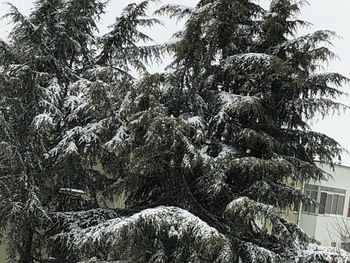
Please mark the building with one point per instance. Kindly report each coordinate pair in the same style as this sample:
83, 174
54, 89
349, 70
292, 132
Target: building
329, 222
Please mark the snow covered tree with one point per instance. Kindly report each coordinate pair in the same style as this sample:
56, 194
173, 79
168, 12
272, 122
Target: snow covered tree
249, 85
29, 97
253, 86
54, 62
208, 153
224, 136
205, 155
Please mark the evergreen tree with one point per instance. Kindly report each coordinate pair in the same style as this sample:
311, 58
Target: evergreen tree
205, 155
222, 136
53, 63
29, 97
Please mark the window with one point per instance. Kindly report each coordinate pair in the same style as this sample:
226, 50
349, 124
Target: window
311, 191
323, 201
332, 204
333, 244
338, 204
345, 246
331, 200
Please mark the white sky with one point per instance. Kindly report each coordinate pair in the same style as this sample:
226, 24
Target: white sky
323, 14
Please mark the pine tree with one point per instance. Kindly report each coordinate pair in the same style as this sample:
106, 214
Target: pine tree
205, 155
45, 70
29, 96
223, 135
213, 147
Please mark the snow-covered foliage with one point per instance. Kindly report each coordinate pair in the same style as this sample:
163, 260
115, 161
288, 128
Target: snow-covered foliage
317, 253
95, 260
175, 11
55, 82
203, 156
169, 234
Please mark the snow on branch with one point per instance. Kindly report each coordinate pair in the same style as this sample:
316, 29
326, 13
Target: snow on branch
235, 103
175, 11
95, 260
74, 222
249, 61
230, 105
252, 167
120, 138
43, 120
71, 191
127, 237
261, 218
255, 254
317, 253
196, 121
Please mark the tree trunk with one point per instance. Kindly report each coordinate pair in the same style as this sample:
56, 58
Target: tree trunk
26, 255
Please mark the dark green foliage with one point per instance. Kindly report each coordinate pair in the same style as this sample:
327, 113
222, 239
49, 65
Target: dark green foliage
206, 155
48, 66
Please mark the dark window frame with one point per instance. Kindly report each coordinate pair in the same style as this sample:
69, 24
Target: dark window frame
331, 201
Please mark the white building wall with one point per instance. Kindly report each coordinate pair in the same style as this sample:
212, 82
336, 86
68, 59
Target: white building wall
325, 228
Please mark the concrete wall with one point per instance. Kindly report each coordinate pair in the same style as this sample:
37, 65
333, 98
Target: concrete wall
324, 228
308, 223
2, 253
340, 178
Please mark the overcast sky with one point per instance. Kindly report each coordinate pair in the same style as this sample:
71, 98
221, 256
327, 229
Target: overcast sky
323, 14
